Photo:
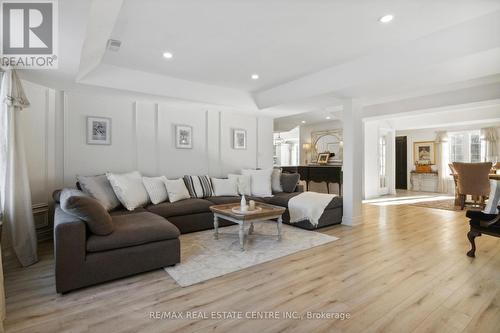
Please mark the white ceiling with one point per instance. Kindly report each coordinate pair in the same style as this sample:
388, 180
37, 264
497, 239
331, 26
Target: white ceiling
309, 54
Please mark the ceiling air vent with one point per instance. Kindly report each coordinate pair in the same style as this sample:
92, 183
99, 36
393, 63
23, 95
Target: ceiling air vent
114, 45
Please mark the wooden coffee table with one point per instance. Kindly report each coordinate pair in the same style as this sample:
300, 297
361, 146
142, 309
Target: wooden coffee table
267, 212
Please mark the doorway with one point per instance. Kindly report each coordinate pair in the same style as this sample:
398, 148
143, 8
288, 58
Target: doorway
401, 163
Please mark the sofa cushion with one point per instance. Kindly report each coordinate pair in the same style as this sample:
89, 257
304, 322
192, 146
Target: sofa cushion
99, 188
123, 211
244, 183
281, 199
260, 181
289, 181
156, 188
225, 187
177, 190
222, 200
133, 229
88, 209
129, 189
276, 181
199, 186
181, 207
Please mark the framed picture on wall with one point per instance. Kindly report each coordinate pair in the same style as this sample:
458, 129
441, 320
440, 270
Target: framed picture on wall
239, 139
98, 131
183, 137
424, 152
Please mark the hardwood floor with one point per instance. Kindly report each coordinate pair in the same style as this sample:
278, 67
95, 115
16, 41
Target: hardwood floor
404, 269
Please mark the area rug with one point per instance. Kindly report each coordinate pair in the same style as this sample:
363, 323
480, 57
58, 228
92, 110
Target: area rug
446, 204
204, 258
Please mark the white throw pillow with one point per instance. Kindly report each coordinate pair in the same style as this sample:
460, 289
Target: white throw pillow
260, 181
156, 188
225, 186
177, 190
244, 183
100, 189
494, 198
276, 181
129, 189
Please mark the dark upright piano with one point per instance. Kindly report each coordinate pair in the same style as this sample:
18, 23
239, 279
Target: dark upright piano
318, 173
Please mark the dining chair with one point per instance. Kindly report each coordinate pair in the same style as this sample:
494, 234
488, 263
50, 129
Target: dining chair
473, 180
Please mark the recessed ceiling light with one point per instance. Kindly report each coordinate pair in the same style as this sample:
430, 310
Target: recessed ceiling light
328, 117
386, 18
167, 55
255, 76
303, 121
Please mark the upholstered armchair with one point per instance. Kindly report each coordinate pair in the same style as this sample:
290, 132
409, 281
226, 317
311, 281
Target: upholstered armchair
472, 179
481, 223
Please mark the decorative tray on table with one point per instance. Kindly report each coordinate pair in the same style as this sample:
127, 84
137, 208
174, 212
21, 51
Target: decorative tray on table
237, 210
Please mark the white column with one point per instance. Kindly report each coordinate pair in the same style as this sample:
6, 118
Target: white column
352, 161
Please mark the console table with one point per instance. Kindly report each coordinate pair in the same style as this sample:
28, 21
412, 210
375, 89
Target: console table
318, 173
424, 181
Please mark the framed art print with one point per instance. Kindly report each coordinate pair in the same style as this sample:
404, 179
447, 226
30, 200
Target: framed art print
239, 139
183, 137
323, 158
98, 131
424, 152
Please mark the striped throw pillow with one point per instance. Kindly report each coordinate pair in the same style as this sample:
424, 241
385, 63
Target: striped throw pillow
199, 186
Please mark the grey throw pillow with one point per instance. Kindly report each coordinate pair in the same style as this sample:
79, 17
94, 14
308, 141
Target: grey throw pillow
289, 181
99, 188
88, 209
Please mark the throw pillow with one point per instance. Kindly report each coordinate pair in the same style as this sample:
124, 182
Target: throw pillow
156, 188
289, 181
176, 189
99, 188
494, 198
199, 186
225, 186
276, 181
129, 189
244, 183
56, 196
88, 209
260, 181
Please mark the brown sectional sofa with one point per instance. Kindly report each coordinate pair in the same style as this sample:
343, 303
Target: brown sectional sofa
145, 239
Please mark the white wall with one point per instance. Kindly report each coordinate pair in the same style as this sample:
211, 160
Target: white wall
142, 138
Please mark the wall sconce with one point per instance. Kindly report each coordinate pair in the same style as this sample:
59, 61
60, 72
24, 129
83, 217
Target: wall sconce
307, 148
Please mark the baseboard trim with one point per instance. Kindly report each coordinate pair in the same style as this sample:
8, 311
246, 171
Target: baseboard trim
351, 221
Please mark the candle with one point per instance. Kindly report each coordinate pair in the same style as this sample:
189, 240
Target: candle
251, 205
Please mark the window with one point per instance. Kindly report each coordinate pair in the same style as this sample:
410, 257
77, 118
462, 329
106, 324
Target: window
466, 147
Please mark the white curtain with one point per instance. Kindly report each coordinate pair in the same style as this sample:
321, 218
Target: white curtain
442, 160
15, 194
489, 135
